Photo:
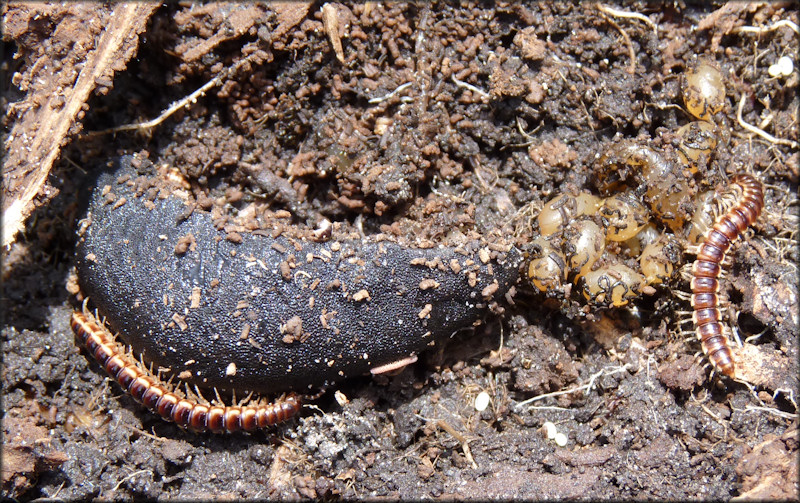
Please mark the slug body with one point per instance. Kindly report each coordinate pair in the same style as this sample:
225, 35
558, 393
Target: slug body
728, 227
270, 314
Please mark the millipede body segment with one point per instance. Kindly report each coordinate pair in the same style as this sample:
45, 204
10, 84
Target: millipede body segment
727, 228
263, 313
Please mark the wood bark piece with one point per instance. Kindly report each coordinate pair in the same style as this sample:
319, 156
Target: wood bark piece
52, 104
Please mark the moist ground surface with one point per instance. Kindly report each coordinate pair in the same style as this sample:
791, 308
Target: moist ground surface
433, 123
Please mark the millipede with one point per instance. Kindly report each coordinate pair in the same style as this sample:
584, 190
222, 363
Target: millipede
159, 397
728, 227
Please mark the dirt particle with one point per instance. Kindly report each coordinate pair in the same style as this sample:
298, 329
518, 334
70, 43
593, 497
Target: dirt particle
194, 300
485, 255
286, 271
361, 295
185, 243
683, 373
529, 44
428, 283
180, 321
233, 237
326, 317
293, 330
490, 290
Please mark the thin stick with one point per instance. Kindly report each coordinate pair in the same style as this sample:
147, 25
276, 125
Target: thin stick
585, 387
134, 474
631, 52
178, 104
764, 29
761, 132
458, 436
461, 83
629, 15
385, 97
769, 410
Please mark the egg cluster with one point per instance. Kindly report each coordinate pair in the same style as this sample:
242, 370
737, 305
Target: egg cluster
584, 240
615, 246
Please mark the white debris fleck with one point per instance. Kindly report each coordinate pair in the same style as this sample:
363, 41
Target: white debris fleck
482, 401
550, 429
782, 68
341, 398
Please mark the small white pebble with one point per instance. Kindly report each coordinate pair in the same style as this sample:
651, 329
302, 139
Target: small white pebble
773, 70
560, 439
341, 398
782, 68
550, 429
482, 401
786, 65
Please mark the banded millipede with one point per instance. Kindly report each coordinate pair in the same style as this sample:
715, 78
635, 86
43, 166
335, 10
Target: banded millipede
159, 397
728, 227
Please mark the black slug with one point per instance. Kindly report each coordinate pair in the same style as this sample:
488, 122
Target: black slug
270, 314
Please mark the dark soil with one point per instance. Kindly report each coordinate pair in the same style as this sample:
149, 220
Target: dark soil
506, 106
